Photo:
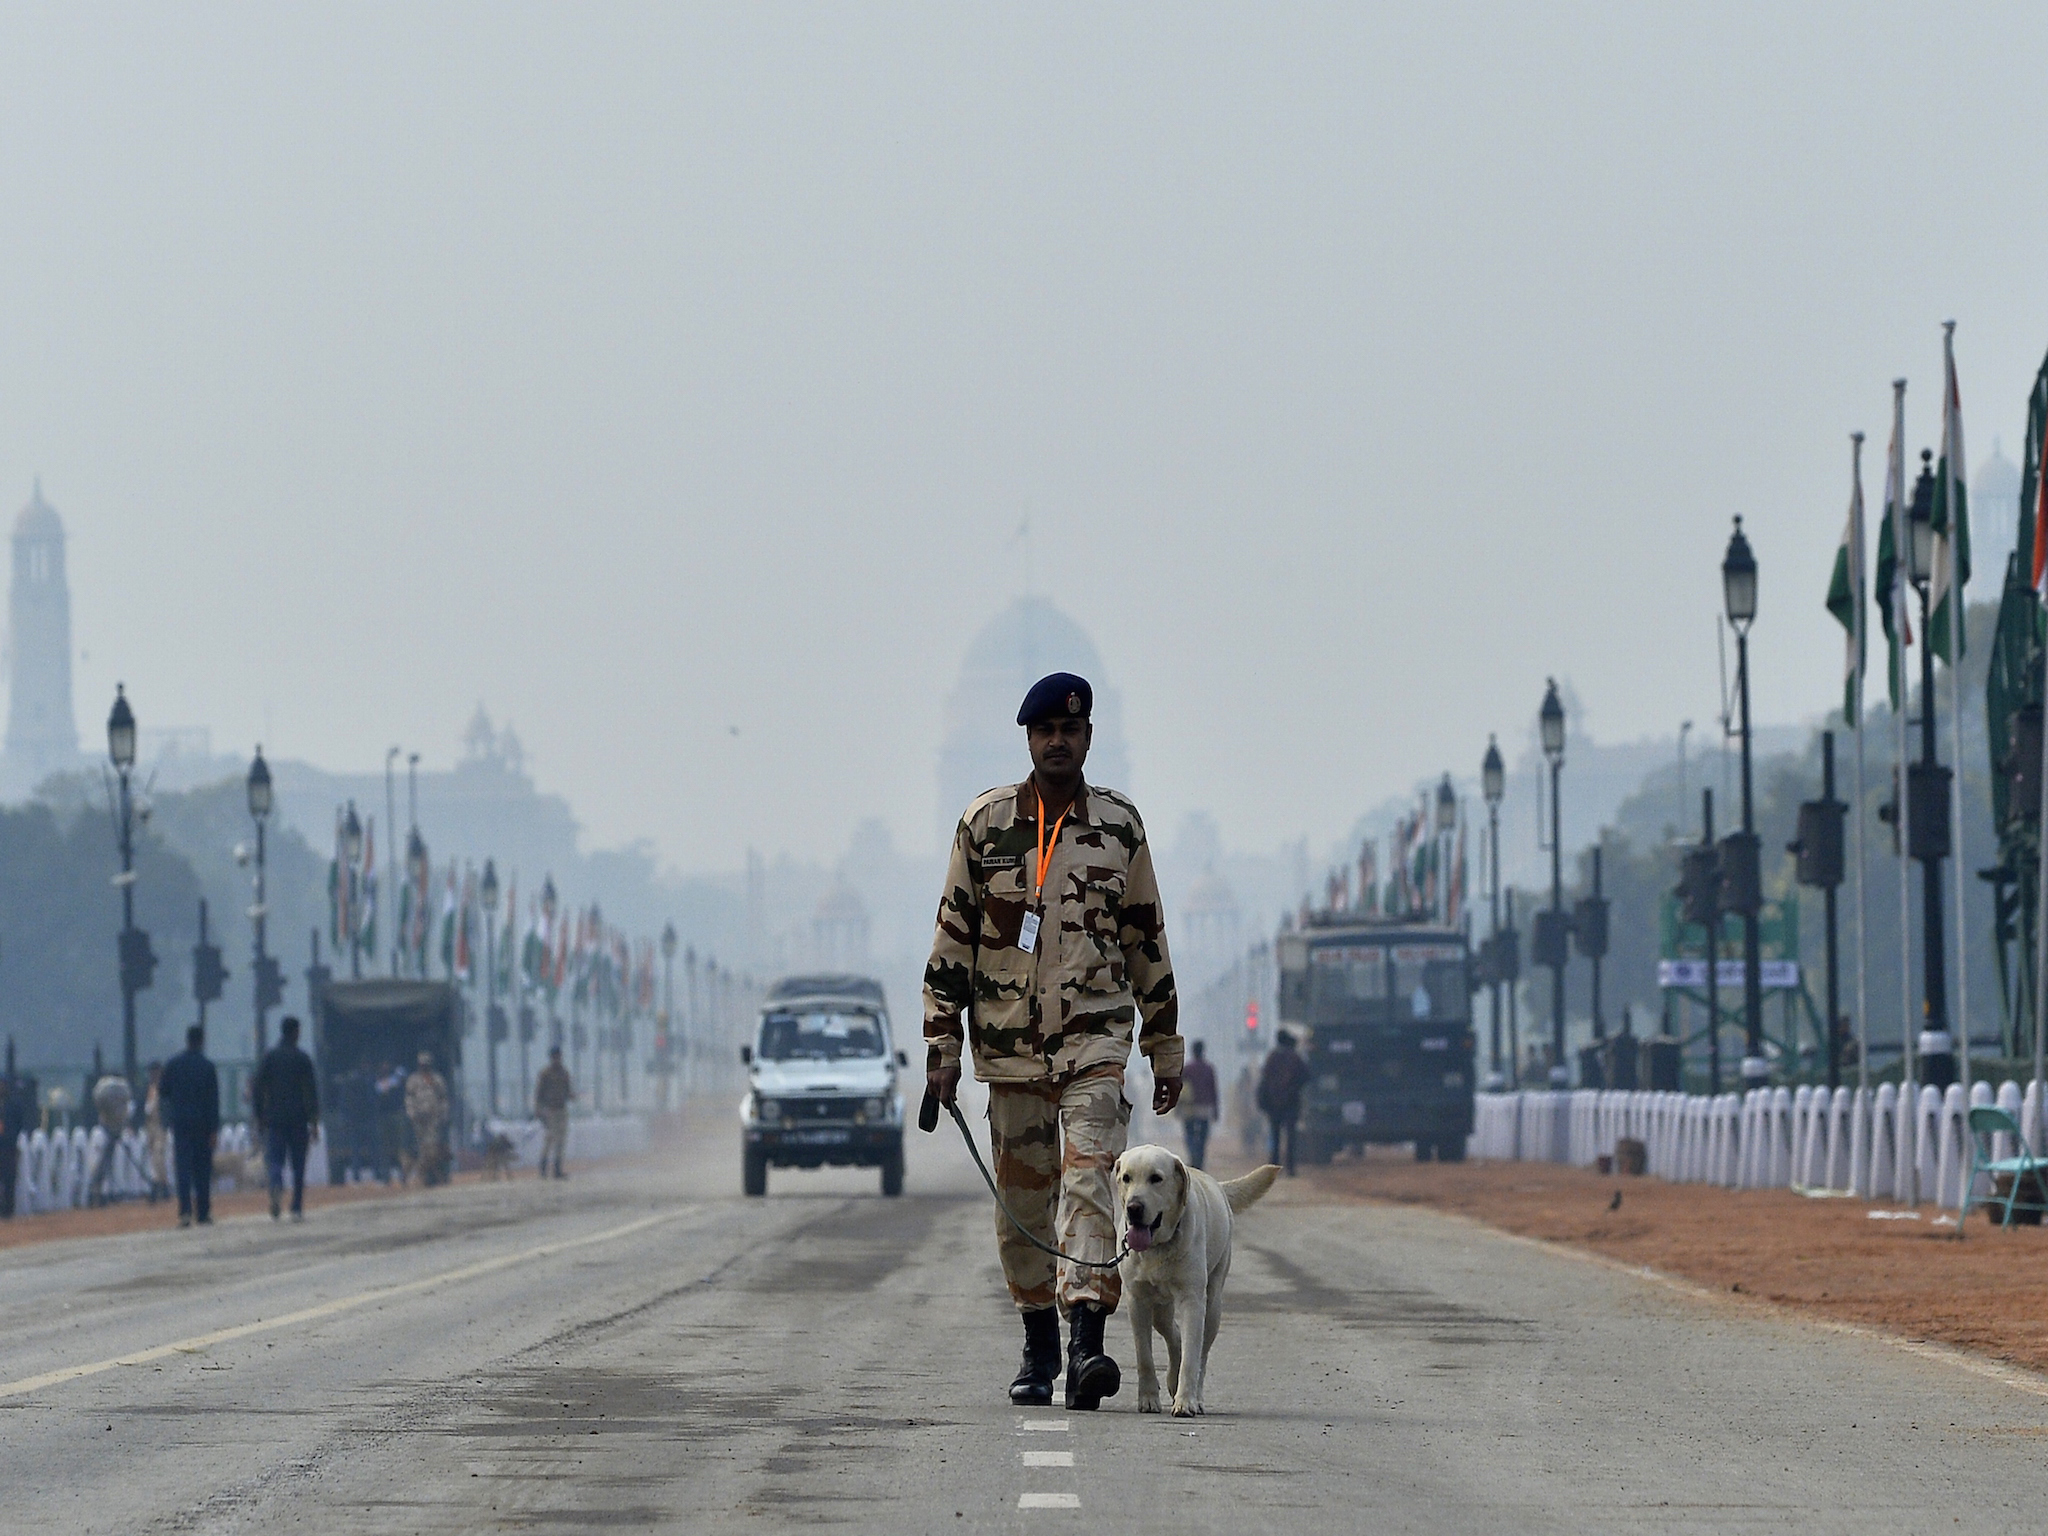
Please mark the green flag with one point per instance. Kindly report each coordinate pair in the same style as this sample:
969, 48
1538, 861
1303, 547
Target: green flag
1890, 590
1951, 521
1845, 592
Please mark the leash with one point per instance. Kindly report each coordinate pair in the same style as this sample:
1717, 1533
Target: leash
928, 1120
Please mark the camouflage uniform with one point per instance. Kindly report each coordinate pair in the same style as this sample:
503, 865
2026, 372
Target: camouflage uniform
426, 1106
1051, 1031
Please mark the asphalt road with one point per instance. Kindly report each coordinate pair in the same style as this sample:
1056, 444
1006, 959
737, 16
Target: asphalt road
644, 1349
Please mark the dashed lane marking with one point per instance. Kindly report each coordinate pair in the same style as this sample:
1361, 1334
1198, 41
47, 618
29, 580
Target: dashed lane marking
1048, 1501
1048, 1458
1057, 1426
334, 1308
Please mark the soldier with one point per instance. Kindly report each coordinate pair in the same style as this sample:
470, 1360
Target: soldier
552, 1092
426, 1106
1052, 949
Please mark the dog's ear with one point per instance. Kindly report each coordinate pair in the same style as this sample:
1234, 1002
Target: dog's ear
1180, 1186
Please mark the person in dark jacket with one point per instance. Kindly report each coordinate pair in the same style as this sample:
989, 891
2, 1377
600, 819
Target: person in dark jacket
1198, 1104
286, 1099
191, 1097
1281, 1080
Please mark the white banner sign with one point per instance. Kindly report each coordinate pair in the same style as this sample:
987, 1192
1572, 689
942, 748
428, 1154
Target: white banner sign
1778, 975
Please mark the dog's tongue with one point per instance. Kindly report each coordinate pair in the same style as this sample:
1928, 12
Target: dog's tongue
1140, 1238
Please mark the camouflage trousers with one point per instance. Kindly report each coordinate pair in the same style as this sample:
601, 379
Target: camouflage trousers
1055, 1144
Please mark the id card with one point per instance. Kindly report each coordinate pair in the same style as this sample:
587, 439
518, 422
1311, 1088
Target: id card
1027, 933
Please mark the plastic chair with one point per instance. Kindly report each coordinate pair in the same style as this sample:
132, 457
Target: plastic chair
1987, 1121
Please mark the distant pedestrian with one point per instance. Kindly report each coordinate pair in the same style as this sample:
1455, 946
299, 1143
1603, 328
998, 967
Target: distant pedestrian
191, 1091
17, 1112
113, 1101
426, 1106
1281, 1080
1198, 1104
552, 1092
286, 1099
154, 1135
390, 1122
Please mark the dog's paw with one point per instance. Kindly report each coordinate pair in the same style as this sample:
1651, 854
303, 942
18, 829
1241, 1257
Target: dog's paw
1148, 1402
1185, 1408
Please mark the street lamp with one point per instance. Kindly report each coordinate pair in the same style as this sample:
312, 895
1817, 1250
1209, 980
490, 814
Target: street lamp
1927, 805
137, 962
1738, 589
488, 891
1551, 721
269, 983
1493, 784
668, 1010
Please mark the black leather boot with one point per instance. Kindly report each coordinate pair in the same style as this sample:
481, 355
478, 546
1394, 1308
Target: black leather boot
1033, 1386
1091, 1374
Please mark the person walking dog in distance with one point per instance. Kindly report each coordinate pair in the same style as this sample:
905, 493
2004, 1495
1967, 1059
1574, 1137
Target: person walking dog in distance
552, 1092
1281, 1080
286, 1099
191, 1093
1198, 1105
1050, 949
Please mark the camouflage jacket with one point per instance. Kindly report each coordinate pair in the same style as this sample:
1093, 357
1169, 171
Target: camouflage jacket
1101, 960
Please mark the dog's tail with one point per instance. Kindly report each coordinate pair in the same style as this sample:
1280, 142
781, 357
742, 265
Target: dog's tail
1246, 1191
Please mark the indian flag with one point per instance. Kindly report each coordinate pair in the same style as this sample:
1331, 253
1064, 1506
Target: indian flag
1951, 520
1845, 592
1890, 591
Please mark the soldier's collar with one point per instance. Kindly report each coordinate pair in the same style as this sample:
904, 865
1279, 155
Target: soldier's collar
1027, 803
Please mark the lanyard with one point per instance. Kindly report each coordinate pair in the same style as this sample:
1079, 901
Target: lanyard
1045, 852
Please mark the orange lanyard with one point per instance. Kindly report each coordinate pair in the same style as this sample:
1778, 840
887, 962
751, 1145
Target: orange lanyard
1044, 852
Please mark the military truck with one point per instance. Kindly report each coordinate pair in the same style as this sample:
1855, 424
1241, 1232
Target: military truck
1382, 1011
362, 1030
822, 1082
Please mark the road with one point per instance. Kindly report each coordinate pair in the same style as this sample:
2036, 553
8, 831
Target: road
644, 1349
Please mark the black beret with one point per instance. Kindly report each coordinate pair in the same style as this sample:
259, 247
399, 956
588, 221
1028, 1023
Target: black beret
1060, 694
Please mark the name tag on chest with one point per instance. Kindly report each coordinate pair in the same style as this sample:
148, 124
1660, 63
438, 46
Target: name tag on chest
1027, 933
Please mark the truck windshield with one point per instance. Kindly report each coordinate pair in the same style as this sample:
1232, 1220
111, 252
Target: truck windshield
820, 1036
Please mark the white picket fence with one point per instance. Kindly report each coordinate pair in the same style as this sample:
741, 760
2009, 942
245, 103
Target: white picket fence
1878, 1144
53, 1171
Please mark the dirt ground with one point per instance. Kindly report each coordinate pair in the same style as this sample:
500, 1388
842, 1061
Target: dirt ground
1987, 1293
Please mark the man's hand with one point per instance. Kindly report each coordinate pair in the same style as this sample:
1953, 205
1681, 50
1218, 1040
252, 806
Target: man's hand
943, 1083
1165, 1094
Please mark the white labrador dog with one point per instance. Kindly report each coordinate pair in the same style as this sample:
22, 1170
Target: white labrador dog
1177, 1223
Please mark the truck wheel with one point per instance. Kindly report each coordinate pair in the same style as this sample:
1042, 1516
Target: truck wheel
892, 1173
754, 1171
1423, 1149
1451, 1150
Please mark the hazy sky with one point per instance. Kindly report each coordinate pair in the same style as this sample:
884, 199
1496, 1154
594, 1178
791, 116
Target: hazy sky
651, 372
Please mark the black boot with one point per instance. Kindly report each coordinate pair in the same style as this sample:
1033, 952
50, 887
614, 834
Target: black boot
1033, 1386
1091, 1374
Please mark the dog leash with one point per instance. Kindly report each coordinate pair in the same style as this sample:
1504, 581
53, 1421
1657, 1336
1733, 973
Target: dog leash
928, 1120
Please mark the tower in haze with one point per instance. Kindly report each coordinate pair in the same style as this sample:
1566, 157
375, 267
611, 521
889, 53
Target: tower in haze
984, 746
42, 735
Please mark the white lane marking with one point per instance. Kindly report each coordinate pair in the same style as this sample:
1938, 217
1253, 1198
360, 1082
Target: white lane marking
1048, 1458
1048, 1501
332, 1308
1058, 1426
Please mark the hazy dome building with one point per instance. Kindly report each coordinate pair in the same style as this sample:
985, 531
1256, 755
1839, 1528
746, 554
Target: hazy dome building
983, 745
42, 733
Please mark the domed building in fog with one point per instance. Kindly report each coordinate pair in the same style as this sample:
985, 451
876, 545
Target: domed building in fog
983, 745
42, 731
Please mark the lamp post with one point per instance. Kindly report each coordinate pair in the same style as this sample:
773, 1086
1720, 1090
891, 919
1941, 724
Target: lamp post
269, 984
1493, 783
1551, 720
137, 962
668, 1010
1928, 804
487, 892
1738, 588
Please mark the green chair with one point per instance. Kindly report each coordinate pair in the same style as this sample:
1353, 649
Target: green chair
1987, 1121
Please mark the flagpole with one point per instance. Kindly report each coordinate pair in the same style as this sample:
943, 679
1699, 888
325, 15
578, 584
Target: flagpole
1955, 531
2041, 827
1856, 586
